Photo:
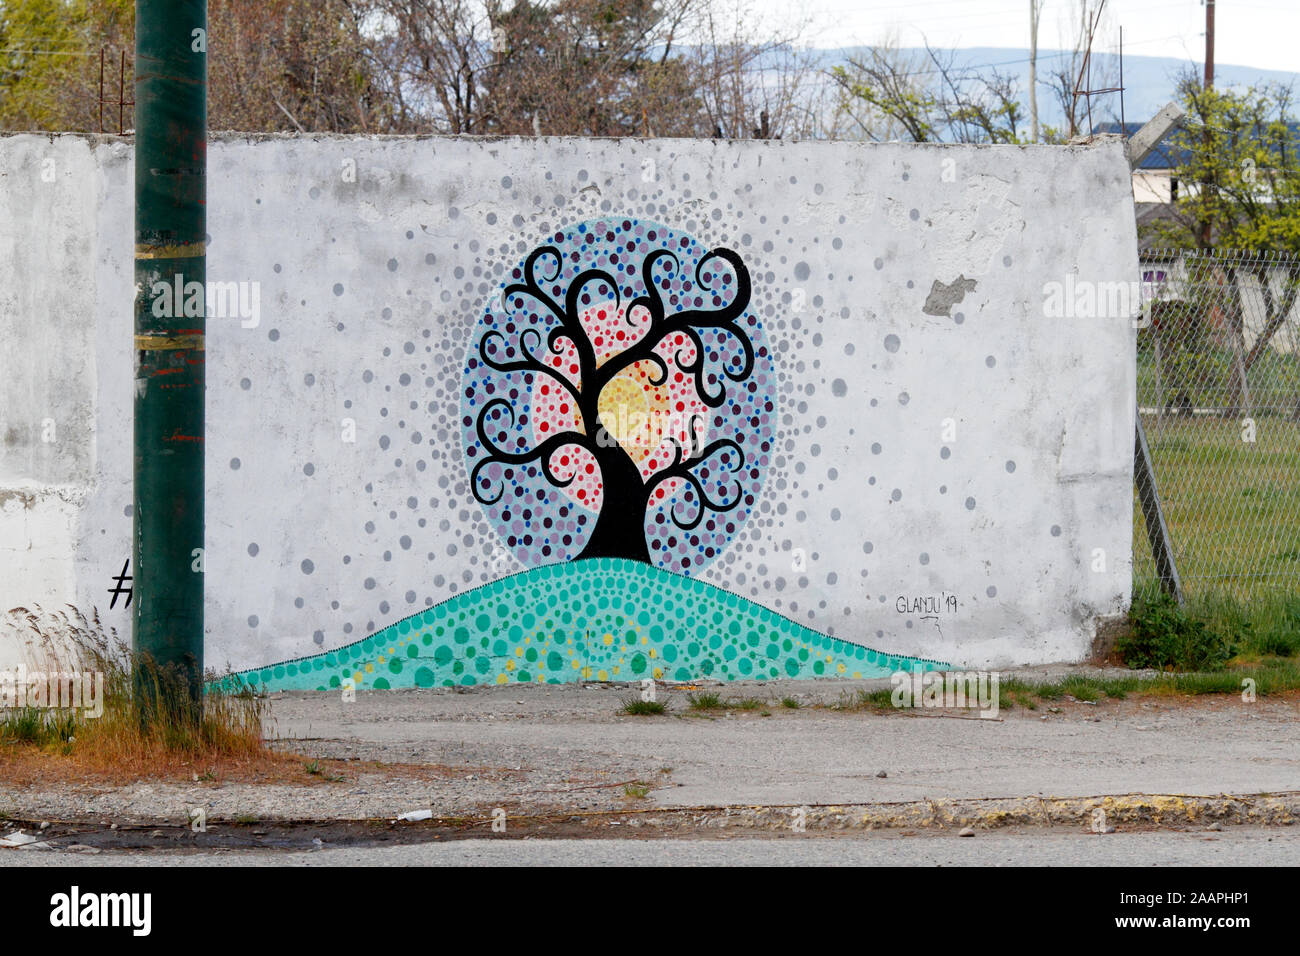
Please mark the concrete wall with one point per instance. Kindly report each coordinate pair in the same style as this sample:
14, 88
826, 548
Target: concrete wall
949, 471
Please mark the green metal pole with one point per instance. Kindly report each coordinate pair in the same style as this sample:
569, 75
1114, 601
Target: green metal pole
170, 274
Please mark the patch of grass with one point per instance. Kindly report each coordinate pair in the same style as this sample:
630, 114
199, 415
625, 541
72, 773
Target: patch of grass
745, 703
789, 703
247, 819
1165, 636
135, 719
636, 707
1081, 688
865, 700
704, 701
313, 767
636, 790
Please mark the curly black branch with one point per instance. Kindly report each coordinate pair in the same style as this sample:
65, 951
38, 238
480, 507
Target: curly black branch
495, 455
683, 467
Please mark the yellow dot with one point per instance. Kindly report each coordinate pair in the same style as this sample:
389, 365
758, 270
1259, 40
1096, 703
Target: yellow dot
609, 639
603, 675
653, 653
840, 667
501, 678
370, 668
615, 670
510, 665
586, 673
519, 652
357, 678
644, 639
576, 665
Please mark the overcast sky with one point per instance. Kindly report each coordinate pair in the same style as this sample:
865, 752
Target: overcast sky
1260, 33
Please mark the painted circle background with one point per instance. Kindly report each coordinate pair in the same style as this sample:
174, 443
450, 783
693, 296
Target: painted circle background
543, 524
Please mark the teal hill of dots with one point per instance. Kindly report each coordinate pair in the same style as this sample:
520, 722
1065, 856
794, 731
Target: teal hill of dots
602, 619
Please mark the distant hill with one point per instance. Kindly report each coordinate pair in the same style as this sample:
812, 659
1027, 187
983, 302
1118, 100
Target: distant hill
1149, 81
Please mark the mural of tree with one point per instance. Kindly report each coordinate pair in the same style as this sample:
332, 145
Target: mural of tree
618, 399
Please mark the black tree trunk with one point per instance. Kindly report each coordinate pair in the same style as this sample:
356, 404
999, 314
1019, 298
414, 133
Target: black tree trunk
620, 527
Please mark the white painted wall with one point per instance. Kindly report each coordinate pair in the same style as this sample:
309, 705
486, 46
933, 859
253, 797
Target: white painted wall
361, 246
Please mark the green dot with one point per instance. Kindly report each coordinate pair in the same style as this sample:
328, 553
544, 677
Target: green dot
424, 677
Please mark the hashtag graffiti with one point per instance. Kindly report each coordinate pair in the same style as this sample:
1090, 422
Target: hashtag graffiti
117, 588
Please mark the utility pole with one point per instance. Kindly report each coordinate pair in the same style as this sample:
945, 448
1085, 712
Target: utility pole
1035, 8
170, 293
1209, 44
1207, 229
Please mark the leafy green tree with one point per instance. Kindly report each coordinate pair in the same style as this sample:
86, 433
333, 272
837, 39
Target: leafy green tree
49, 61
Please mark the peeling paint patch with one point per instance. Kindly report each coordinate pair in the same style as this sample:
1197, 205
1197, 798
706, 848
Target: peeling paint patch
943, 297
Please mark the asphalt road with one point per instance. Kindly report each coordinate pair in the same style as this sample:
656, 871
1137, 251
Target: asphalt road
1235, 847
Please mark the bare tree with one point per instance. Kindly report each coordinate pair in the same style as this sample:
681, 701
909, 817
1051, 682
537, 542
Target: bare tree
926, 96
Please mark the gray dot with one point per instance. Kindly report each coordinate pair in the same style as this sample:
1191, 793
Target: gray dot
234, 464
338, 288
273, 335
1006, 261
925, 557
309, 469
245, 383
392, 265
802, 271
879, 264
896, 494
868, 547
991, 591
1056, 531
309, 379
904, 398
945, 452
370, 584
405, 542
875, 448
252, 620
914, 215
252, 550
839, 388
970, 504
892, 343
319, 637
990, 361
307, 566
1010, 466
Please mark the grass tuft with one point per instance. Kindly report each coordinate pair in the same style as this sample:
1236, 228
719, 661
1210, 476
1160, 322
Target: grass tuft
636, 707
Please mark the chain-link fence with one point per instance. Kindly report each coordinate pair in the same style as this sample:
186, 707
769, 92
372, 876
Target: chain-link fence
1218, 381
